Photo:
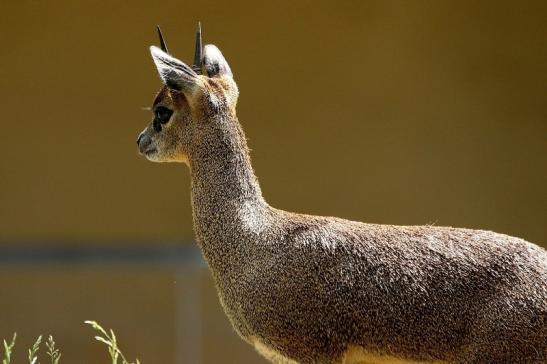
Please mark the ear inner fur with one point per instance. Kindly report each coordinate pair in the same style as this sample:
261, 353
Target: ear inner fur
174, 73
215, 63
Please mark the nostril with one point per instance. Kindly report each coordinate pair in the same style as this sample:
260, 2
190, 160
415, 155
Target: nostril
144, 142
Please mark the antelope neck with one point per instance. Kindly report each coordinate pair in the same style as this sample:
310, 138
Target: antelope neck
223, 181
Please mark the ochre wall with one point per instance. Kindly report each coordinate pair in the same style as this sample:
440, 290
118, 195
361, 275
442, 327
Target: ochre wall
400, 112
404, 112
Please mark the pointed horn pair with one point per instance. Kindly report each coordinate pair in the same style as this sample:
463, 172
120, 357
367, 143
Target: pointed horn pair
198, 49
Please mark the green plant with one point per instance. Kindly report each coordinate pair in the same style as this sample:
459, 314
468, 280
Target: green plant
53, 353
32, 352
109, 339
8, 348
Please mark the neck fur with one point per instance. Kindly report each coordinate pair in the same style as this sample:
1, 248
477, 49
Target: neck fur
226, 197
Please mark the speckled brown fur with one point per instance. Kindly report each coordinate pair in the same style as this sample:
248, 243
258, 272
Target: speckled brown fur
310, 288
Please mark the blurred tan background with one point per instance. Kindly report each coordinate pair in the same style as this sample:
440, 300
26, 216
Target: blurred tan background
399, 112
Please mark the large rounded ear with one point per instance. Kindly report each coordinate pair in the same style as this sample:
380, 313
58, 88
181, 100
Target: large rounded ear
174, 73
215, 63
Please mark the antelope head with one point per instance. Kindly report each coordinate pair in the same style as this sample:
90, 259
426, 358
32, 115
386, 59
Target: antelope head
190, 104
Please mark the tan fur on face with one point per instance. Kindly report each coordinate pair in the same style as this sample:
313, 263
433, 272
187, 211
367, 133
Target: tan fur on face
190, 113
171, 143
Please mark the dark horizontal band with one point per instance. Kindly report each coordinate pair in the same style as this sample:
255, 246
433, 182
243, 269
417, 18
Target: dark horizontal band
152, 253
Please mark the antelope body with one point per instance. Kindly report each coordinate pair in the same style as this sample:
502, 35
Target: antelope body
313, 289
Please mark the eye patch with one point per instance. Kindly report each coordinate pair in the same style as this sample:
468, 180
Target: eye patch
161, 116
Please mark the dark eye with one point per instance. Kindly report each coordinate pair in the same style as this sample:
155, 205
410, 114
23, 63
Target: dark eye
163, 114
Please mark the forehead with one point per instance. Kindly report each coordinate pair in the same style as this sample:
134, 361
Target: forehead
162, 95
167, 96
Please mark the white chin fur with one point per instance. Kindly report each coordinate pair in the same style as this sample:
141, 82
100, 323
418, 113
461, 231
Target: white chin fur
155, 158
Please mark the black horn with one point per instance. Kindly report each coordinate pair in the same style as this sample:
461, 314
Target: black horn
198, 52
162, 42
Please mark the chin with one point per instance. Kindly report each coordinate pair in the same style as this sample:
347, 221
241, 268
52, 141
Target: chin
155, 157
152, 156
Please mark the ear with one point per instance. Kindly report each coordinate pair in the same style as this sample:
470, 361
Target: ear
215, 63
174, 73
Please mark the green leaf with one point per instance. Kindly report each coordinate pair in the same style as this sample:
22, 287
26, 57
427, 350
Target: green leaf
109, 340
103, 340
53, 352
97, 327
8, 348
32, 358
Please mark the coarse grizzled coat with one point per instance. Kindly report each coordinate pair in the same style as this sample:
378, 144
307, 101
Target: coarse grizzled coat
313, 289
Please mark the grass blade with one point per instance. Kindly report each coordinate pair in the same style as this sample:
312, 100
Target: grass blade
8, 349
32, 352
53, 353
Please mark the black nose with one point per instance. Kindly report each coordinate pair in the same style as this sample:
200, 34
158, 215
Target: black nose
144, 142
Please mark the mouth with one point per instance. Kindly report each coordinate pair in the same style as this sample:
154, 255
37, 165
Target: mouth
150, 151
